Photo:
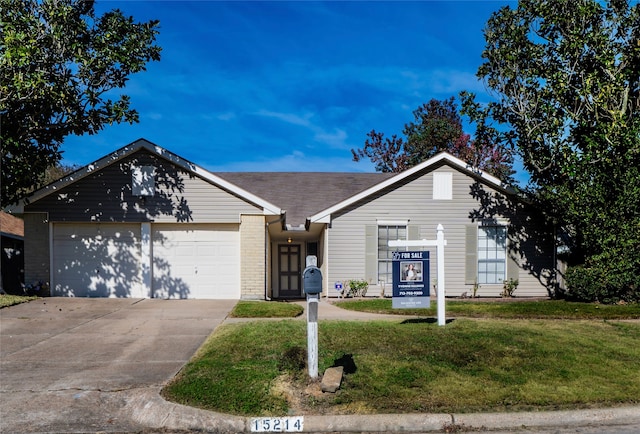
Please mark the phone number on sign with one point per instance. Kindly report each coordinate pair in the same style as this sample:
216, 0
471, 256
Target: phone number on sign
411, 293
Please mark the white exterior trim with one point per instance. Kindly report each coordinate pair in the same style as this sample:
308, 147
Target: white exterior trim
393, 222
146, 258
325, 215
267, 207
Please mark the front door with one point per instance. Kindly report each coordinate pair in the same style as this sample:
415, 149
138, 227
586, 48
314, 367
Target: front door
289, 270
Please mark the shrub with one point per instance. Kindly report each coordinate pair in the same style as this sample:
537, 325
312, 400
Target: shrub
358, 288
508, 287
607, 280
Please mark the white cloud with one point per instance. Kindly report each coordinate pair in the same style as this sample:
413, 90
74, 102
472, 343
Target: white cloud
335, 139
290, 118
227, 116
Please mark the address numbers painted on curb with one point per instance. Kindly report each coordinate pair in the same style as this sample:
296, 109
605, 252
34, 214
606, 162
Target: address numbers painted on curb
277, 424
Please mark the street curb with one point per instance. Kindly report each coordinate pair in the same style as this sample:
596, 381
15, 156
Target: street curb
389, 423
551, 419
149, 409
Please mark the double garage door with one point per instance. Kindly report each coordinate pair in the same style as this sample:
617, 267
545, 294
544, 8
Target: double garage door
159, 260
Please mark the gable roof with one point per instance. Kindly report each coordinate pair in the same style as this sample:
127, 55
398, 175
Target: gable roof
306, 197
268, 208
300, 194
324, 216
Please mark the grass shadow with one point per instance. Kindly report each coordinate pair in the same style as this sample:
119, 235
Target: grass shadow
425, 321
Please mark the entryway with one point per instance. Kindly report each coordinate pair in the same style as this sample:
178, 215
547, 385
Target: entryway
289, 272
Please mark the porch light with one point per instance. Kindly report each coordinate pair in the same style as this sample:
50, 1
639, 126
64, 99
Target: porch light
289, 240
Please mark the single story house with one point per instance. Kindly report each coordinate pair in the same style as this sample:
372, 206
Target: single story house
11, 254
144, 222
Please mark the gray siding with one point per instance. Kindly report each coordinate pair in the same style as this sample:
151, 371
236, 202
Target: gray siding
413, 201
180, 197
36, 247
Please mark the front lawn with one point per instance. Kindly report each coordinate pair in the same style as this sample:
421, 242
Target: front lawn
264, 309
7, 300
414, 365
507, 309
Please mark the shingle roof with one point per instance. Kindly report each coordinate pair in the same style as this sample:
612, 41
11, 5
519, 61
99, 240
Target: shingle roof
302, 194
11, 225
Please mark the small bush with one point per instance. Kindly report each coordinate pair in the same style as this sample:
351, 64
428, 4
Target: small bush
508, 288
358, 288
605, 284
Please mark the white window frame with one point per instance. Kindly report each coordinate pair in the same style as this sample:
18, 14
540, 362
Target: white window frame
491, 255
387, 276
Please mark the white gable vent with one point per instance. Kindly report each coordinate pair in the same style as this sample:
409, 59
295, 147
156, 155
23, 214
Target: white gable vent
442, 186
143, 180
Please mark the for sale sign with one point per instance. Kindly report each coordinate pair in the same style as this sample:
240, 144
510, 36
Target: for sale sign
410, 280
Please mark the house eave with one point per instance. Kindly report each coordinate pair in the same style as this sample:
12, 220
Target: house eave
267, 207
324, 216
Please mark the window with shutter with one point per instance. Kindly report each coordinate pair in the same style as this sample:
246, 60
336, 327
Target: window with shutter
386, 233
492, 254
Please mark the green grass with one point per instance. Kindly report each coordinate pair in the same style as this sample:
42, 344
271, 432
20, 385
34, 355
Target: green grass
543, 309
7, 300
413, 365
262, 309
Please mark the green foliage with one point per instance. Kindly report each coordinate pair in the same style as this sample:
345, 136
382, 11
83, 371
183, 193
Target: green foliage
607, 281
61, 66
54, 173
509, 287
437, 127
566, 79
357, 288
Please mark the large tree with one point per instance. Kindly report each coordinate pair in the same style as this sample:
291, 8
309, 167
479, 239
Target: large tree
566, 80
60, 68
437, 127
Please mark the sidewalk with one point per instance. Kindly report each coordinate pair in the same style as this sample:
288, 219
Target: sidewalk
149, 409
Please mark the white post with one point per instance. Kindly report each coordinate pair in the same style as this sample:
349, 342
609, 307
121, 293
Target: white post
312, 335
146, 261
440, 258
439, 243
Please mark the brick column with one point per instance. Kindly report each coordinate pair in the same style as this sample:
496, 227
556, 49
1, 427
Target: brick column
252, 257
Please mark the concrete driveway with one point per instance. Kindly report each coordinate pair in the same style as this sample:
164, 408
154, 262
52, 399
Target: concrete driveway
72, 365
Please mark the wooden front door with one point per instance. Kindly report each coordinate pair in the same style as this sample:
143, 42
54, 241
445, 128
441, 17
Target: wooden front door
289, 272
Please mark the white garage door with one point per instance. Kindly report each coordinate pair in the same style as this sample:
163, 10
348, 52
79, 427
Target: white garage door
96, 260
196, 261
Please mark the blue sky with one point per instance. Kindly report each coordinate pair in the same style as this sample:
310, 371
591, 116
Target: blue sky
291, 86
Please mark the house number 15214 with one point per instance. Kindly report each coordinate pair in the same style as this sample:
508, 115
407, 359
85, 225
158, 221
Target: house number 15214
277, 424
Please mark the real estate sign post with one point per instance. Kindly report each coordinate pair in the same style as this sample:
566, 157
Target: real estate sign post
439, 243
